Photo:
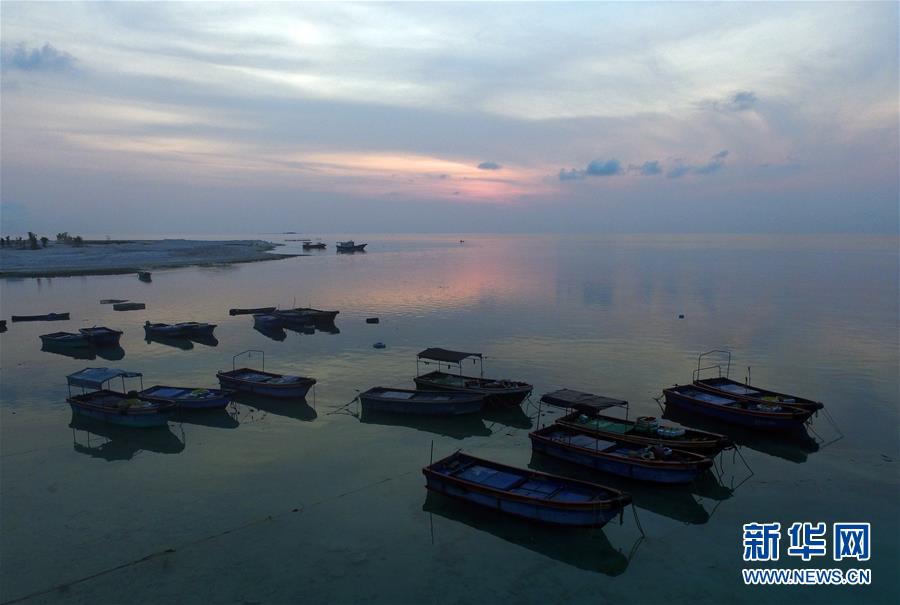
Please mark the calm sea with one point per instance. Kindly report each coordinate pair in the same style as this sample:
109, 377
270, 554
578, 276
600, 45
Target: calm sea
290, 502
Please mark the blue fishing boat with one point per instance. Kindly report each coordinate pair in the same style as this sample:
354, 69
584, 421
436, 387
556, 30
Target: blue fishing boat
762, 416
260, 382
267, 321
195, 328
496, 391
654, 463
124, 408
408, 401
46, 317
163, 329
65, 339
524, 493
188, 398
723, 385
100, 336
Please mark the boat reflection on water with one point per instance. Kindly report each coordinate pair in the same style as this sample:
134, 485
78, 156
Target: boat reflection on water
676, 502
112, 442
512, 416
455, 427
223, 418
584, 548
297, 409
794, 446
88, 353
204, 339
275, 333
178, 342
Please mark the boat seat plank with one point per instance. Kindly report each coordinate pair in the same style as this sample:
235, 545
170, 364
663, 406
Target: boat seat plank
490, 477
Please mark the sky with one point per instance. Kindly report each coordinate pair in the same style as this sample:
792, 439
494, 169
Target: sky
146, 117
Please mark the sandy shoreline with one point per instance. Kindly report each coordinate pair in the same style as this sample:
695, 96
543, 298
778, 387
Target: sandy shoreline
130, 256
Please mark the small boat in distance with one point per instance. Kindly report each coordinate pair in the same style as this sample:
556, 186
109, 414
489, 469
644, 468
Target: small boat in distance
609, 427
524, 493
302, 315
112, 301
260, 382
129, 306
194, 328
255, 311
351, 246
313, 246
764, 416
163, 329
187, 398
2, 325
654, 463
122, 408
45, 317
65, 339
496, 391
408, 401
144, 276
101, 336
579, 400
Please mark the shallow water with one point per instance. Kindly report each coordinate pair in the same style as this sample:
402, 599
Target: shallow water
276, 502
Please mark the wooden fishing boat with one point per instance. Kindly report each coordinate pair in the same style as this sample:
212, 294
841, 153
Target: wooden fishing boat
129, 306
65, 339
657, 464
579, 400
110, 406
313, 246
496, 391
763, 416
677, 437
727, 387
407, 401
145, 276
260, 382
257, 310
163, 329
188, 398
351, 246
2, 325
46, 317
112, 301
101, 336
267, 320
194, 328
524, 493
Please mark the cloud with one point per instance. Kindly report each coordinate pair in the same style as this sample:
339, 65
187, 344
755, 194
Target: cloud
45, 58
489, 166
571, 175
741, 100
648, 168
715, 164
601, 168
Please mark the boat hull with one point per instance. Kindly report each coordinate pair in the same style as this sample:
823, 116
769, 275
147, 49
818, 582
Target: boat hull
65, 341
279, 391
732, 388
791, 419
621, 468
523, 509
437, 407
108, 338
436, 381
699, 442
47, 317
144, 418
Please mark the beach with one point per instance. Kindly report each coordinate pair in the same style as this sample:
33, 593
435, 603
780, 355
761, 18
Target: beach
97, 257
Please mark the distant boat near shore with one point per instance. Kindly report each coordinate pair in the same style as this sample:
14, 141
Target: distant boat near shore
351, 246
46, 317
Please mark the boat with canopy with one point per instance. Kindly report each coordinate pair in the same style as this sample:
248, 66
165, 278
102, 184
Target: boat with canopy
496, 391
102, 403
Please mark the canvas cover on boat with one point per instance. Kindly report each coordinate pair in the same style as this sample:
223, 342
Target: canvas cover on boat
438, 354
94, 378
569, 398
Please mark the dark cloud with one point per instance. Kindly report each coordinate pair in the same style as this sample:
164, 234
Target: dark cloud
489, 166
648, 168
715, 164
741, 100
601, 168
45, 58
571, 175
